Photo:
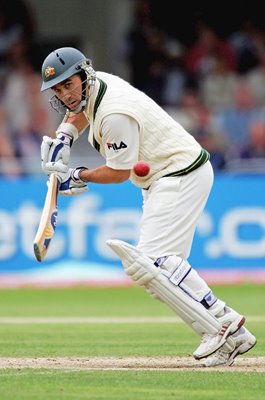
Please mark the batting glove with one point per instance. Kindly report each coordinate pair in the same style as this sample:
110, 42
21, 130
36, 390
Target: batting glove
55, 153
71, 184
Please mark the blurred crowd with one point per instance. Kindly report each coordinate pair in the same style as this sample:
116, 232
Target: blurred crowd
25, 113
214, 86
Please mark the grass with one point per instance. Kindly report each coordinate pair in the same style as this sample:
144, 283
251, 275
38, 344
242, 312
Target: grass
126, 301
130, 385
117, 339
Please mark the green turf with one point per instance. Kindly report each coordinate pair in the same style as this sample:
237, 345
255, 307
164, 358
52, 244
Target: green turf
128, 301
124, 339
130, 385
103, 339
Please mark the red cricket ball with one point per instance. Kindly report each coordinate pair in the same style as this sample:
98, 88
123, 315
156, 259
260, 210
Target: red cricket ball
141, 168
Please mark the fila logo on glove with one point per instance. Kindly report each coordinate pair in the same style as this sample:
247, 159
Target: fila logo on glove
114, 146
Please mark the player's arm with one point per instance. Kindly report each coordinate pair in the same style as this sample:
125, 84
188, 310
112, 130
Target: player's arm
79, 120
105, 174
120, 138
55, 153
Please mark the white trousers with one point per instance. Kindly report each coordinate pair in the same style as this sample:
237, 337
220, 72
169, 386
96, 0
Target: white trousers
172, 207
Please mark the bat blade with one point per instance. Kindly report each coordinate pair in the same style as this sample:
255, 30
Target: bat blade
48, 220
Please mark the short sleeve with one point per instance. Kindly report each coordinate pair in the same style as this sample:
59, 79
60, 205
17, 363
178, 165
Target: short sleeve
120, 136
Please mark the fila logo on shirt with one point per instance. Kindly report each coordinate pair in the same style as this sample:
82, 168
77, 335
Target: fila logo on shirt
115, 146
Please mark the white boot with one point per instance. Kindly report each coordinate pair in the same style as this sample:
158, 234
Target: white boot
243, 342
231, 321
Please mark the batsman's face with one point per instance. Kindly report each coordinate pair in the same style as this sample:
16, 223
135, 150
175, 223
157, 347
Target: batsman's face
69, 91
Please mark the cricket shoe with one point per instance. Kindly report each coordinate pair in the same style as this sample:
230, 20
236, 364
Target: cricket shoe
231, 321
239, 343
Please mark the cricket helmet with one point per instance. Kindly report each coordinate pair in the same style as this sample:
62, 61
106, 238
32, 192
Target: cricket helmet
63, 63
60, 65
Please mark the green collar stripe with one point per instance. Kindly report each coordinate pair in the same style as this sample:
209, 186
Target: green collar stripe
101, 92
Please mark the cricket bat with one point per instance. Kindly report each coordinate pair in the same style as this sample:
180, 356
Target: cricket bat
48, 220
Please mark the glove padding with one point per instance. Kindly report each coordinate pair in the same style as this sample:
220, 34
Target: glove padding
55, 153
71, 184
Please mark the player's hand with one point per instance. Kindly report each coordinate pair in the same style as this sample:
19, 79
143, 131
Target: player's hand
71, 184
55, 153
